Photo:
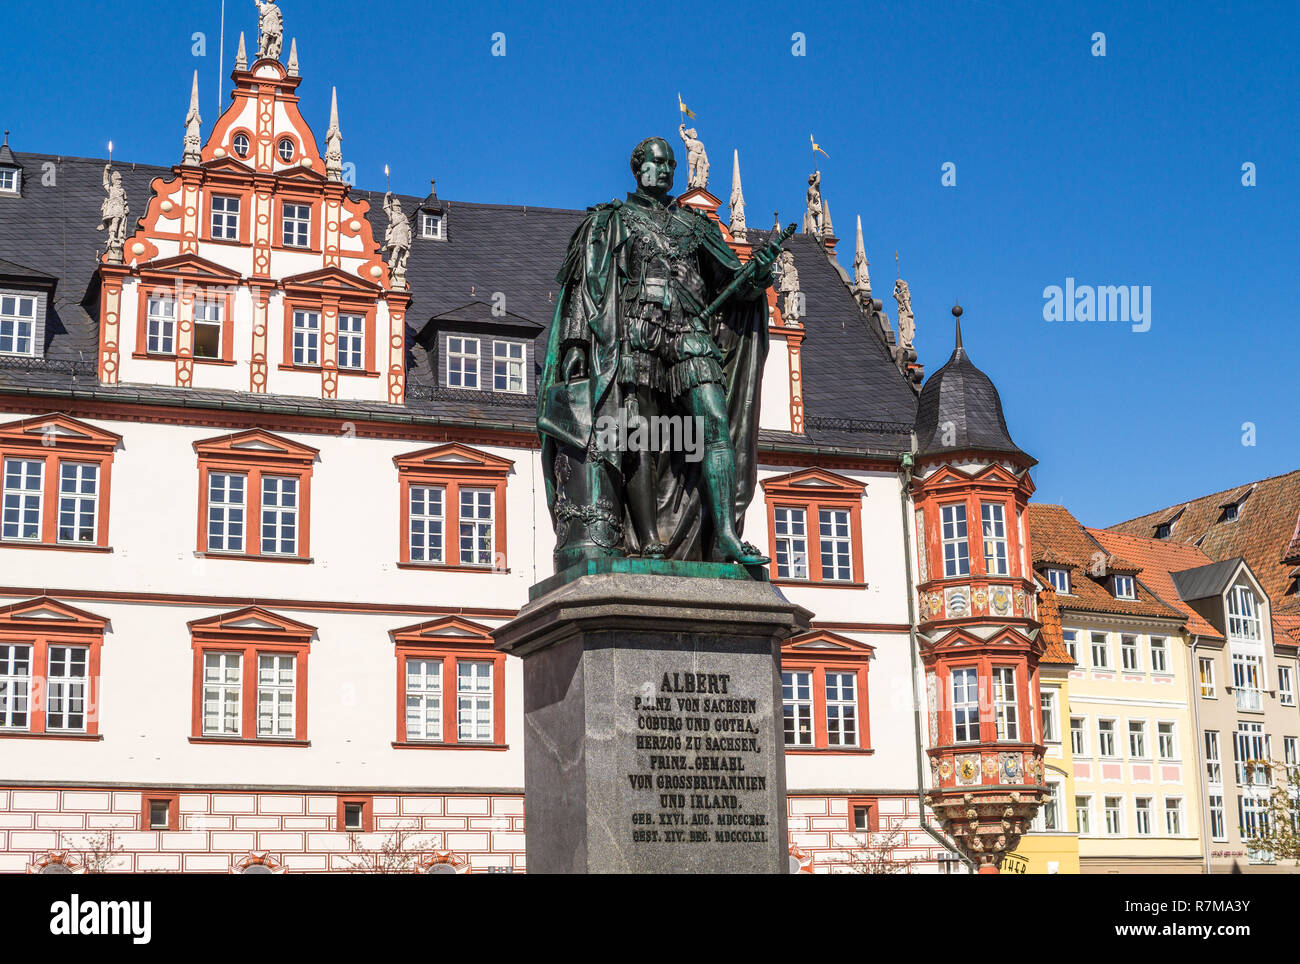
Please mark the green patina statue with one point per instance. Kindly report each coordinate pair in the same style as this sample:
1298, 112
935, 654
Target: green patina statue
648, 404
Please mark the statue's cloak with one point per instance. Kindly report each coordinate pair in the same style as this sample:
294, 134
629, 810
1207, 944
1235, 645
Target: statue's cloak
591, 278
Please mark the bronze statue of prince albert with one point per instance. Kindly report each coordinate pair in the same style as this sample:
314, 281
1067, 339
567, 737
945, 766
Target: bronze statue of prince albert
649, 399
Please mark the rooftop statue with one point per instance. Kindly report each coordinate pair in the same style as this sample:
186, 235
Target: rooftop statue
697, 162
787, 283
270, 29
397, 239
906, 321
812, 218
113, 212
648, 403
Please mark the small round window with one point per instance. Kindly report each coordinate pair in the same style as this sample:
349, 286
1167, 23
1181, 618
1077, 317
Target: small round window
241, 145
286, 149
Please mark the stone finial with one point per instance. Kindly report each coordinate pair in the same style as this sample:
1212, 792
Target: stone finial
241, 57
397, 239
292, 66
193, 124
737, 225
812, 216
787, 284
906, 322
270, 30
113, 212
334, 141
827, 230
776, 221
861, 275
697, 160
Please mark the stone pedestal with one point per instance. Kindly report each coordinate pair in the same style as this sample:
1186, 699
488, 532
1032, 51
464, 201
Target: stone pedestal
652, 717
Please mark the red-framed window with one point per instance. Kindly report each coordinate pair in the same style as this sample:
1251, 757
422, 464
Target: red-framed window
824, 696
255, 497
55, 472
160, 810
250, 678
987, 697
864, 814
453, 513
186, 306
330, 324
297, 218
814, 520
356, 814
450, 686
49, 670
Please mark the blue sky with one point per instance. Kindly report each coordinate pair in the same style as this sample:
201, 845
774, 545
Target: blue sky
1116, 170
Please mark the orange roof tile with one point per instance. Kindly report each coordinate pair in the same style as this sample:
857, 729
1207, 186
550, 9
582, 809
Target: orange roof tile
1058, 538
1266, 532
1158, 559
1049, 614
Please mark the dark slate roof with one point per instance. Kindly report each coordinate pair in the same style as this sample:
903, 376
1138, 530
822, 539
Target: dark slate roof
960, 410
855, 397
1205, 581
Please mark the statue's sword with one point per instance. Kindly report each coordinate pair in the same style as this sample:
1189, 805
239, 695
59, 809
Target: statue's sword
746, 273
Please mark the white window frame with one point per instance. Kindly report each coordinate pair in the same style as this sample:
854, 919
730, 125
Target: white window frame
352, 341
1083, 814
219, 692
430, 226
226, 514
306, 337
160, 325
1285, 685
1158, 646
211, 313
276, 712
835, 544
1051, 804
1174, 816
475, 696
295, 227
1071, 639
1125, 586
1006, 708
1217, 817
462, 367
427, 523
1051, 716
955, 537
79, 502
993, 527
790, 527
240, 145
1250, 742
1102, 647
1060, 580
1118, 812
1206, 683
11, 180
841, 708
1167, 741
1213, 759
23, 500
797, 707
16, 686
508, 369
1137, 748
1079, 736
17, 328
1130, 652
1142, 816
280, 505
1105, 737
424, 699
225, 216
1243, 614
1248, 679
965, 704
475, 525
283, 146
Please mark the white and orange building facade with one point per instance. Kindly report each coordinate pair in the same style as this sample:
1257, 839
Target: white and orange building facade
267, 646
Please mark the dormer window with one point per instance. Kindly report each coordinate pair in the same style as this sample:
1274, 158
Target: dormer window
431, 226
1060, 580
1124, 587
240, 145
1163, 530
462, 362
1230, 513
508, 366
17, 324
10, 180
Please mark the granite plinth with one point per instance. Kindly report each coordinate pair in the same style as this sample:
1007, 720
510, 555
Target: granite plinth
652, 716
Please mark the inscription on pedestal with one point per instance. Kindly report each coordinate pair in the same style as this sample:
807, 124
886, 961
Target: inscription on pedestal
698, 778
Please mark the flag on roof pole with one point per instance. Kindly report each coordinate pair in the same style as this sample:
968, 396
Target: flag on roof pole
683, 108
817, 147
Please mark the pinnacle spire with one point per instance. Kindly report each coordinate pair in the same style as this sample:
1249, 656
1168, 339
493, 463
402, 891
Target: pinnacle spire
293, 58
241, 58
193, 124
956, 314
827, 230
861, 274
334, 141
737, 225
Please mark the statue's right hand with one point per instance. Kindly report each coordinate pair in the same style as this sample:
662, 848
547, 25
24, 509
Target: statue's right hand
575, 364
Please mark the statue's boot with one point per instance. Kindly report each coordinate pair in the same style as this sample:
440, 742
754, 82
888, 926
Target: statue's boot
641, 495
720, 482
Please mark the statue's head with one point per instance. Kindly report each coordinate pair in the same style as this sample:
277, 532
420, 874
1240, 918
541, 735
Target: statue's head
117, 179
690, 132
653, 165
